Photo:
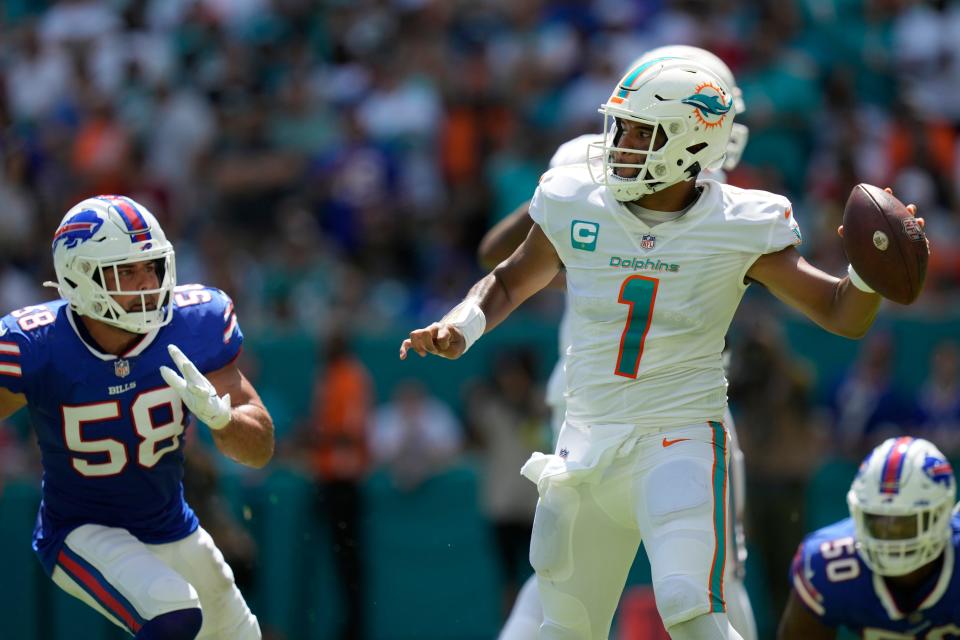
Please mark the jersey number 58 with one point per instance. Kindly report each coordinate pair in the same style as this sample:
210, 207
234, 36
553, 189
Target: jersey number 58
156, 440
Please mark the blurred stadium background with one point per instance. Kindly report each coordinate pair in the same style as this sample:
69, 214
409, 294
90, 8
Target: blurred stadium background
332, 166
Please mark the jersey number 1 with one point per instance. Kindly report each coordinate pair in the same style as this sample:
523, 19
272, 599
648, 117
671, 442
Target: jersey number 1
640, 294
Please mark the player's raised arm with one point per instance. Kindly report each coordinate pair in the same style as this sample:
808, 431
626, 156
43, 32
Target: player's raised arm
846, 306
226, 402
834, 303
532, 267
798, 623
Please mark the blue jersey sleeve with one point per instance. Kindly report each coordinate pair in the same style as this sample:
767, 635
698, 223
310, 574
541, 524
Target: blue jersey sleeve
206, 327
826, 573
22, 334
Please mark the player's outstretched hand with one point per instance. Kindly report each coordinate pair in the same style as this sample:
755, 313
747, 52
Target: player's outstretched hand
196, 391
439, 339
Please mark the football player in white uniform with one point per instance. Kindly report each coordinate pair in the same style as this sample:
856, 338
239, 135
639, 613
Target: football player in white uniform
497, 245
656, 263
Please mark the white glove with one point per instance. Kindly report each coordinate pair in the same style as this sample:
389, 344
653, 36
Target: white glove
196, 391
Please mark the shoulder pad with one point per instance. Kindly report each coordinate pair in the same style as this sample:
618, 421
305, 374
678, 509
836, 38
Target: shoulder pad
208, 305
566, 182
574, 151
23, 334
755, 204
825, 567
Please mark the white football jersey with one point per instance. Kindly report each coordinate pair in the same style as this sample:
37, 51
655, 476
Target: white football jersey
576, 151
649, 306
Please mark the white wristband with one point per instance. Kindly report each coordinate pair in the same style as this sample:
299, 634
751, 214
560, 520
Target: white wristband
468, 318
857, 281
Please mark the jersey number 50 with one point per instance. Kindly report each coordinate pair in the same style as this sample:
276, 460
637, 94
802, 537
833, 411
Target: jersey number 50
841, 557
141, 413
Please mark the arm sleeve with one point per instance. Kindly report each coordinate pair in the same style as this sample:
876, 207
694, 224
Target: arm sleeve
809, 582
214, 331
16, 356
784, 230
229, 331
765, 224
537, 208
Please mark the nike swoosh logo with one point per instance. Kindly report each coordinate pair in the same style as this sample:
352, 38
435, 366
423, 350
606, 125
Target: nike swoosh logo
670, 443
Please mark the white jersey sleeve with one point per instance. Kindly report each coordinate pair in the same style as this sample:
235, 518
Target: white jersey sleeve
765, 220
559, 186
764, 223
536, 207
785, 231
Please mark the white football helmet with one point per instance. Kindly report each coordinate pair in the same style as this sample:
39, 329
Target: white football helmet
93, 239
901, 502
740, 133
690, 104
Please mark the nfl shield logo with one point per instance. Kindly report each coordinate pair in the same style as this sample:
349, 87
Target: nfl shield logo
912, 228
648, 241
121, 368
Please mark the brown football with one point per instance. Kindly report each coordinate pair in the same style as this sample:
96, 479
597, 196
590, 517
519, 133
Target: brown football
884, 243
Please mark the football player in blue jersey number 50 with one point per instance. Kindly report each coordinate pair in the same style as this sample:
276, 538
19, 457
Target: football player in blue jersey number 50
889, 571
109, 374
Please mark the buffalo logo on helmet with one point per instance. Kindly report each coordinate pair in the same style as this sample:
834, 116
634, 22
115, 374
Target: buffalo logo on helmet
710, 105
78, 228
938, 470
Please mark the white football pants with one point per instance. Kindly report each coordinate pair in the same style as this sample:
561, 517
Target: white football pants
130, 582
607, 487
526, 616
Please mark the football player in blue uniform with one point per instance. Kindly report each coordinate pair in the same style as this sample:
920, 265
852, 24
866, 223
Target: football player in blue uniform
888, 572
109, 373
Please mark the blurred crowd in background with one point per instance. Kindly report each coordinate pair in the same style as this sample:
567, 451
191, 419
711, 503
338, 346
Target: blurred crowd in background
332, 165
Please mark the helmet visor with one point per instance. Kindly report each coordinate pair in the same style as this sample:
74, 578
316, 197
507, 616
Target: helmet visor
887, 527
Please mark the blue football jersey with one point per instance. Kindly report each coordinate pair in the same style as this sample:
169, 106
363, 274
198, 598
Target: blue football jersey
109, 428
834, 583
